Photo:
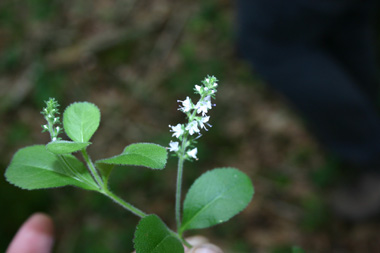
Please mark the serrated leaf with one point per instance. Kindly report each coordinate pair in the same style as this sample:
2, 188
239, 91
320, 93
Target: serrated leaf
81, 120
140, 154
215, 197
36, 168
65, 147
152, 236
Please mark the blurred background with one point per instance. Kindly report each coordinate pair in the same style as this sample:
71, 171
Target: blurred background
134, 60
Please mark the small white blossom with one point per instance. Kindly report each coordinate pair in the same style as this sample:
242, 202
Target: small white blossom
192, 127
187, 105
204, 121
173, 146
198, 88
204, 105
178, 130
193, 153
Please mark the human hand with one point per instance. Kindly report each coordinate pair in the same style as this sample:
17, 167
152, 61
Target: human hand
34, 236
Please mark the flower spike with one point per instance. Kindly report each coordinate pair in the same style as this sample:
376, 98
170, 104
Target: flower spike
197, 119
53, 125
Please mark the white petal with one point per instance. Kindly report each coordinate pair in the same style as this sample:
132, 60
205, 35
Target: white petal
173, 146
193, 153
177, 130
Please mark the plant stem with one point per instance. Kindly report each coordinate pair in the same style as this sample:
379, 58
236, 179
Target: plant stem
92, 169
178, 190
124, 204
186, 243
179, 237
181, 160
105, 191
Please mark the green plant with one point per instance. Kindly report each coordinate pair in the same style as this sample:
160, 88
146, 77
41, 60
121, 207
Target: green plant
215, 196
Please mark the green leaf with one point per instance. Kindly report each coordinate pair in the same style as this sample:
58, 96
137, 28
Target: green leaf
81, 120
36, 168
140, 154
65, 147
152, 236
215, 197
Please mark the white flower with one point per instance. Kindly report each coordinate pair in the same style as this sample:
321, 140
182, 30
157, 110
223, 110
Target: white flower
178, 130
198, 88
204, 105
204, 121
193, 153
187, 105
173, 146
192, 127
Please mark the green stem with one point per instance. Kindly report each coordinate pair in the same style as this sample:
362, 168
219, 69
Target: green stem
186, 243
179, 237
181, 160
105, 191
50, 128
124, 204
178, 190
92, 169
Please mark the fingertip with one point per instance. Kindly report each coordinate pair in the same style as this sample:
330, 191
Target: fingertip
34, 236
40, 223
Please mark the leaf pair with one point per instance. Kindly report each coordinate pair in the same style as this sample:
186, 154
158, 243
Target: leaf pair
215, 197
39, 167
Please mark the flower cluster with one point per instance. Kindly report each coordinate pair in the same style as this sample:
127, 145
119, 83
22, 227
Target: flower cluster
196, 114
53, 121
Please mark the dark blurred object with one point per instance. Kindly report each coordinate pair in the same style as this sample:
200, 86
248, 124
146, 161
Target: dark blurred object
359, 199
320, 56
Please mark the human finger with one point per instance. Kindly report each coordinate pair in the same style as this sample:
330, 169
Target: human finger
34, 236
